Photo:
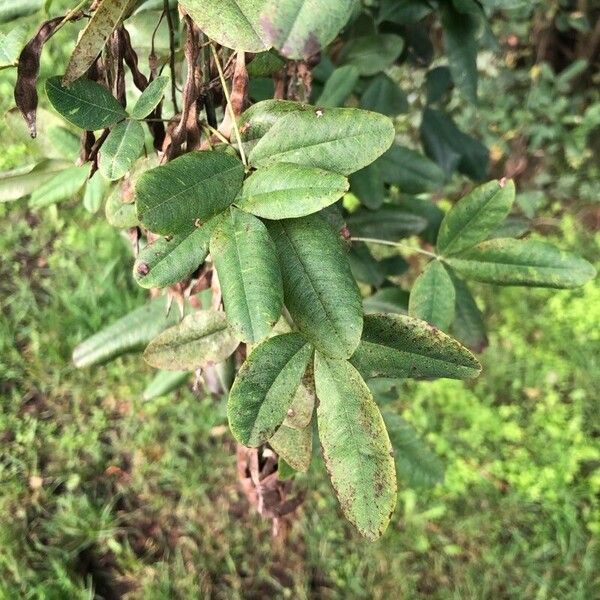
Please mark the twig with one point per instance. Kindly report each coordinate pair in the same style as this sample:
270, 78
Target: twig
395, 245
236, 130
172, 55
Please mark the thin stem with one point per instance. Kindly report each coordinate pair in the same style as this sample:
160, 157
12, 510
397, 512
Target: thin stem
72, 13
395, 245
217, 133
171, 54
238, 137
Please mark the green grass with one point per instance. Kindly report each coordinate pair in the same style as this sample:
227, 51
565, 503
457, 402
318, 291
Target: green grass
102, 491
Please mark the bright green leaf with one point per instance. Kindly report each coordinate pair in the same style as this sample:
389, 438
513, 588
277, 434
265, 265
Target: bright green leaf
285, 191
518, 262
95, 192
188, 191
319, 290
342, 140
246, 262
21, 182
150, 98
62, 186
165, 382
265, 387
356, 447
432, 297
121, 149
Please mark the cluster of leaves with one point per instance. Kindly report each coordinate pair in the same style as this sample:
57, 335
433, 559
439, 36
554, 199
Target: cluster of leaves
254, 215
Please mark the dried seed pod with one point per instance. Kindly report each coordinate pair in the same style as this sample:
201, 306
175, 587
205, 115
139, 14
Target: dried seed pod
28, 69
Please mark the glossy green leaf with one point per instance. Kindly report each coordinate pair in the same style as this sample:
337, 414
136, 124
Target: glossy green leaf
468, 326
451, 148
130, 333
188, 191
201, 338
294, 446
319, 290
398, 346
85, 103
338, 87
518, 262
367, 185
246, 262
342, 140
21, 182
416, 465
371, 54
265, 387
232, 23
432, 296
412, 172
286, 191
387, 300
170, 260
385, 96
460, 41
106, 18
95, 192
62, 186
387, 223
121, 149
356, 447
165, 382
300, 28
471, 220
150, 98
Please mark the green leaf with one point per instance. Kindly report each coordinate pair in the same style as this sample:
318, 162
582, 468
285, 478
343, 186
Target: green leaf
62, 186
21, 182
384, 95
121, 149
319, 290
150, 98
468, 325
11, 45
85, 103
202, 338
412, 172
356, 447
342, 140
387, 300
438, 84
11, 9
364, 266
475, 216
170, 260
338, 87
246, 262
300, 28
265, 387
120, 214
286, 191
518, 262
106, 18
460, 41
232, 23
416, 465
399, 346
187, 191
432, 297
299, 415
294, 446
367, 185
428, 210
95, 192
265, 64
387, 223
371, 54
451, 148
407, 12
165, 382
131, 333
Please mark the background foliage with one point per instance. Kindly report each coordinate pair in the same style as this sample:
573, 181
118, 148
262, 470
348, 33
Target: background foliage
103, 490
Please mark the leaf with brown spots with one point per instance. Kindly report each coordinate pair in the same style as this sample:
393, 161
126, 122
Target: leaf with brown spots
108, 16
356, 446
